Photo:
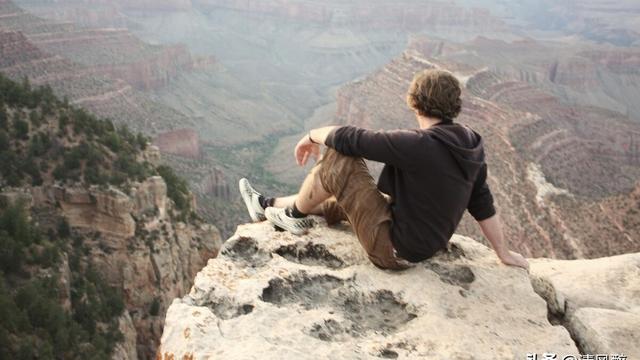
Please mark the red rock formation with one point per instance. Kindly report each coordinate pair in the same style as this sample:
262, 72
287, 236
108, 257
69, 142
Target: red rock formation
182, 142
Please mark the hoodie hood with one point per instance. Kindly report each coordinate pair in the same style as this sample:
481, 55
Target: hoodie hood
464, 144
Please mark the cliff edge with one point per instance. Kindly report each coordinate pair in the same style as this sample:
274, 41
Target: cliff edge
271, 295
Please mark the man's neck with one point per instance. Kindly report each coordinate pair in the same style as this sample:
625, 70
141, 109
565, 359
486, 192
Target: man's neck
427, 122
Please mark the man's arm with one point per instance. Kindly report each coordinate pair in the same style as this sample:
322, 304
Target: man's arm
393, 147
309, 144
320, 135
492, 229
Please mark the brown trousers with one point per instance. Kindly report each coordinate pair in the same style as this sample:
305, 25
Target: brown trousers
357, 199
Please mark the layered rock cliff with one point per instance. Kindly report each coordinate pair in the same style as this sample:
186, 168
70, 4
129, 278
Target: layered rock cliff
133, 242
100, 70
115, 52
118, 54
317, 296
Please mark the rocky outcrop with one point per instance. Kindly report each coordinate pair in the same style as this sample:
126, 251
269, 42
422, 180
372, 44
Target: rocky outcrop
152, 155
597, 300
105, 211
318, 296
182, 142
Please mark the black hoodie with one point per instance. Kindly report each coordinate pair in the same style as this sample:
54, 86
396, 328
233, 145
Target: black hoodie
433, 175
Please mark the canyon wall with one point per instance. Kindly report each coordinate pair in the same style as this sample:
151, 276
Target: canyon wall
112, 51
118, 54
104, 96
136, 245
91, 68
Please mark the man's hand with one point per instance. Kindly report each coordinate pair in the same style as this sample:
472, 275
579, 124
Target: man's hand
304, 149
514, 259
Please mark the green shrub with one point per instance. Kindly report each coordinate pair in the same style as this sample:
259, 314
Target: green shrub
36, 118
39, 144
5, 143
21, 128
4, 117
155, 307
177, 188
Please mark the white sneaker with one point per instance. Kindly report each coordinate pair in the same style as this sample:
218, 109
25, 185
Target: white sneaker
279, 217
250, 197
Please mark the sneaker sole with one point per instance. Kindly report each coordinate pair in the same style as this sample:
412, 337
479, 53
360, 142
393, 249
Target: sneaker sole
243, 185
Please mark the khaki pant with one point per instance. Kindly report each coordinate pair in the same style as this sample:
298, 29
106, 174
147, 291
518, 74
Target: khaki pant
356, 198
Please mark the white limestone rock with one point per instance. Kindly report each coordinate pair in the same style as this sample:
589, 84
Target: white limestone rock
271, 295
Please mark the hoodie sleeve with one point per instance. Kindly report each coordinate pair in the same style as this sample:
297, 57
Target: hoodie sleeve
395, 147
481, 202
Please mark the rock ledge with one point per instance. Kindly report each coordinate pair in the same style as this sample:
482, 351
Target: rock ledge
270, 295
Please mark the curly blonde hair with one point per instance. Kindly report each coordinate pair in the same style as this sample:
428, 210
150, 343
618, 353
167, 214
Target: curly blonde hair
435, 93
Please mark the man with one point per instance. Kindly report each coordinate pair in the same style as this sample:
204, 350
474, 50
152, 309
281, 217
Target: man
432, 174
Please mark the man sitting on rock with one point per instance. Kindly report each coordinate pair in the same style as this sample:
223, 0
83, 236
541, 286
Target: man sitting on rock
432, 174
